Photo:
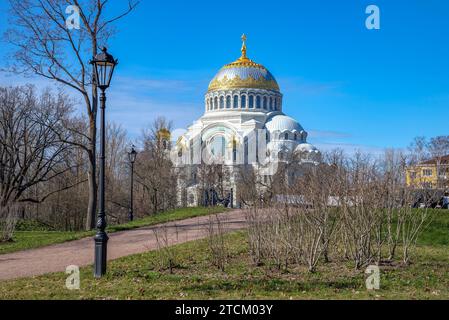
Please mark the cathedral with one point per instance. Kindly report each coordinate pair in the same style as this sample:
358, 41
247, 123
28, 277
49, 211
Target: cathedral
243, 125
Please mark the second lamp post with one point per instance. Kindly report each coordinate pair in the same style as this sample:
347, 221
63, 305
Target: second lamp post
132, 154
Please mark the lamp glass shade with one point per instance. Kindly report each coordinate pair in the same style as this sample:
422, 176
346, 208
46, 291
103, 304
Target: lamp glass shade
132, 155
104, 64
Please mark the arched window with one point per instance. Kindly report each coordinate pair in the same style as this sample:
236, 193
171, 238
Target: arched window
217, 146
296, 137
265, 103
211, 103
228, 102
271, 103
267, 136
251, 102
286, 136
216, 103
275, 102
236, 102
258, 102
243, 102
221, 102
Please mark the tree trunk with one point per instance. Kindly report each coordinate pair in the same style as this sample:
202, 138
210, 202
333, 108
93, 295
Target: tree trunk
92, 205
92, 111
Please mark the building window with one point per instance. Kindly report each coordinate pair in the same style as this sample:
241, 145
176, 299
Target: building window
221, 102
427, 185
413, 175
271, 103
251, 102
443, 172
243, 102
265, 103
296, 137
245, 150
228, 102
267, 136
286, 136
427, 172
218, 146
216, 103
236, 102
258, 103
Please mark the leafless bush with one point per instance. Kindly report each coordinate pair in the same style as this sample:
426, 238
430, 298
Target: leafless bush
413, 223
166, 257
355, 208
255, 235
217, 242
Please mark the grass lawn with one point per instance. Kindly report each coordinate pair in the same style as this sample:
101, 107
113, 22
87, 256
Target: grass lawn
33, 239
140, 276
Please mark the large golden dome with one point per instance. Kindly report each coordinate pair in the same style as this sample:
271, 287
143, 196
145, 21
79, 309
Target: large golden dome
243, 73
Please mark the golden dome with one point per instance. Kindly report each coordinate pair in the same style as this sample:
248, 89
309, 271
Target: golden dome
243, 73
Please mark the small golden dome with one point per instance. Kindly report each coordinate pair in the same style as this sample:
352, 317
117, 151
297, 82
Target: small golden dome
243, 73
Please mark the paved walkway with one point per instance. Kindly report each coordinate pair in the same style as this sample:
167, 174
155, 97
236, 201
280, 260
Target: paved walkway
57, 257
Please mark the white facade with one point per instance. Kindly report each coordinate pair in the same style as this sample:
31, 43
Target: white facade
243, 122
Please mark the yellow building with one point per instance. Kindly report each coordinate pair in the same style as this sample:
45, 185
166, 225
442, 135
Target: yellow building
433, 173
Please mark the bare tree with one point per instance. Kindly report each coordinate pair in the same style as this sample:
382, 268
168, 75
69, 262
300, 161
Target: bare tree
155, 175
438, 148
30, 152
418, 149
117, 173
46, 47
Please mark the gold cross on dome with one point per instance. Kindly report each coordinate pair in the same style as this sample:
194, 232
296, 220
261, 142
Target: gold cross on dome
243, 47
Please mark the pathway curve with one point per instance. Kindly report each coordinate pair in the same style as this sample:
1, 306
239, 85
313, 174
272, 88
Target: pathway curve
57, 257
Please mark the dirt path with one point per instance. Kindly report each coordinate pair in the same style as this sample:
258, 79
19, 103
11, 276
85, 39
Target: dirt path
57, 257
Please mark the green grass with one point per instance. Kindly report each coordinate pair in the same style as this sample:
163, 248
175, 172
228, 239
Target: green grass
140, 277
33, 239
437, 232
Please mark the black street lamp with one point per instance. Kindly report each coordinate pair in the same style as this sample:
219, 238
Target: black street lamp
132, 155
104, 65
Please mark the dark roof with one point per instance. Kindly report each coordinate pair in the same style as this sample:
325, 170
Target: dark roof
443, 160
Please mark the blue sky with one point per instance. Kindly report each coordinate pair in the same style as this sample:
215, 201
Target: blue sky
348, 86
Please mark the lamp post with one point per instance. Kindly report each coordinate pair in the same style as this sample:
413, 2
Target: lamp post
132, 158
103, 64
